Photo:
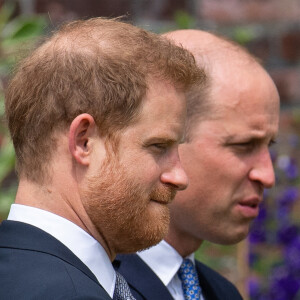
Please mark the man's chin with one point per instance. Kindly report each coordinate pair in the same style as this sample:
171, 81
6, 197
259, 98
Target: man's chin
231, 239
137, 248
146, 237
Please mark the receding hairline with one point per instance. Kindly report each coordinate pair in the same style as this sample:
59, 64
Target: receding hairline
202, 43
212, 53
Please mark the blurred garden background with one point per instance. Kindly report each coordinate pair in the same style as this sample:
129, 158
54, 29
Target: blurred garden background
266, 265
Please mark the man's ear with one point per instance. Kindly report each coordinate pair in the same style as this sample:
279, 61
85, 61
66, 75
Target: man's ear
82, 128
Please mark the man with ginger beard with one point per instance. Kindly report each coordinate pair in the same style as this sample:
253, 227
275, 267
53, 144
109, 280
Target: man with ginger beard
96, 114
230, 127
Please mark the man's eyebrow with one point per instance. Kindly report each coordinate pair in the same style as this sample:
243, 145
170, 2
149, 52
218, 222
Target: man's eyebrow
163, 140
248, 137
234, 137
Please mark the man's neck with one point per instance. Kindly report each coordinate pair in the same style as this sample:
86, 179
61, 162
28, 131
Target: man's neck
183, 243
59, 202
45, 197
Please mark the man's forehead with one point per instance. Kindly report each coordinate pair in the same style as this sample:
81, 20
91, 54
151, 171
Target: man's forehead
233, 120
162, 113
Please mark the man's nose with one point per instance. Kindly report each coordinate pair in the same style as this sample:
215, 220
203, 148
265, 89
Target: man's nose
175, 176
262, 170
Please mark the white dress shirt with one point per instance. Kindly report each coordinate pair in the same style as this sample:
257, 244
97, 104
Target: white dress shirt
165, 262
84, 246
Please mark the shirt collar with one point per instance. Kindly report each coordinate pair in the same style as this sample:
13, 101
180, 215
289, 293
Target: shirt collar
164, 260
84, 246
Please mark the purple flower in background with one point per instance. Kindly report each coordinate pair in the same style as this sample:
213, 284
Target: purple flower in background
292, 256
289, 166
284, 286
254, 288
287, 233
262, 216
257, 233
288, 197
252, 258
283, 215
291, 170
258, 229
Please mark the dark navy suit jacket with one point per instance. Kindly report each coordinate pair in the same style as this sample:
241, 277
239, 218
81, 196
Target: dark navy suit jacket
35, 265
144, 283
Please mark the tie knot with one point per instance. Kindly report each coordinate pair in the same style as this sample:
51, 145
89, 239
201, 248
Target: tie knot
187, 268
189, 279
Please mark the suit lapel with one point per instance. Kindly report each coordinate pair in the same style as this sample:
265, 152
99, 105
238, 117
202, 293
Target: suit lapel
215, 286
205, 283
19, 235
140, 277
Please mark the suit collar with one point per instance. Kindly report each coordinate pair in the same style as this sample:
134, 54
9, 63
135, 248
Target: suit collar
83, 245
214, 286
19, 235
164, 260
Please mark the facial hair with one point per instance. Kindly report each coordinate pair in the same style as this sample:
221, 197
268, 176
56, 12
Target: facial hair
122, 212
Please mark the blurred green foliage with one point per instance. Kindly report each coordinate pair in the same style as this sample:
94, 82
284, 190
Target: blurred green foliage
243, 35
17, 35
184, 20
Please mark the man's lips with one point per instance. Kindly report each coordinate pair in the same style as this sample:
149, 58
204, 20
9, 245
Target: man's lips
164, 202
163, 196
249, 207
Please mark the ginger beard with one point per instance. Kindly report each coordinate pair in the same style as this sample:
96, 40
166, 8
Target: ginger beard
122, 210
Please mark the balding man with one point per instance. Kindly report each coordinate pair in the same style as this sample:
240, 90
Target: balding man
231, 125
96, 114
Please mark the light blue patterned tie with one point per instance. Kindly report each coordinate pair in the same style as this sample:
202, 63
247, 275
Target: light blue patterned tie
190, 283
122, 291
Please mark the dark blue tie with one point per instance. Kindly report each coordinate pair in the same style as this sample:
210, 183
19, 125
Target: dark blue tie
189, 279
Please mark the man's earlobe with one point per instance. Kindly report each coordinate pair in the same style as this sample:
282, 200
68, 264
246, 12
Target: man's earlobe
81, 130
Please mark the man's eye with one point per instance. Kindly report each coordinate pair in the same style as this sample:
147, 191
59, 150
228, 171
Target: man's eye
159, 146
244, 146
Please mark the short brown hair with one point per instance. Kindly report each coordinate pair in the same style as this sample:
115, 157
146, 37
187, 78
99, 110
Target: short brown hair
97, 66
